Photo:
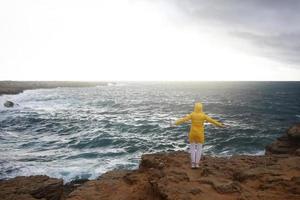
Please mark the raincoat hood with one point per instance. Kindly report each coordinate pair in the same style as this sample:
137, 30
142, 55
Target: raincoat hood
198, 107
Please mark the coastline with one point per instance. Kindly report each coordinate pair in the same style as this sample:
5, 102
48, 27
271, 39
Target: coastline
167, 176
16, 87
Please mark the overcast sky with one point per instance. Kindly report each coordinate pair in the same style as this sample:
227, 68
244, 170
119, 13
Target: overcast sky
150, 40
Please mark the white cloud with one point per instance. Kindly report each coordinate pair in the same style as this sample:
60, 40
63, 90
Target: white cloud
119, 40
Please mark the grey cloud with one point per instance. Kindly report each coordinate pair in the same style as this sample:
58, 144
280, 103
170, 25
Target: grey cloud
271, 26
285, 47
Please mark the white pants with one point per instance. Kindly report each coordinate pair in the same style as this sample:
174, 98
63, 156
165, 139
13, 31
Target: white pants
196, 151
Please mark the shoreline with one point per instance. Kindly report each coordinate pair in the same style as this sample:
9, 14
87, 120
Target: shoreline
17, 87
168, 176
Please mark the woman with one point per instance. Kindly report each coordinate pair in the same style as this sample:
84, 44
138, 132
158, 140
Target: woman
196, 135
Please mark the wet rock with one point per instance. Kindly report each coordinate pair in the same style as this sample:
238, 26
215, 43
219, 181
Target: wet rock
289, 143
9, 104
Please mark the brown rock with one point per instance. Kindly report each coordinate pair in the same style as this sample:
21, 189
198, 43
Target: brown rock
254, 173
223, 186
289, 143
294, 132
297, 152
131, 178
71, 186
195, 191
32, 187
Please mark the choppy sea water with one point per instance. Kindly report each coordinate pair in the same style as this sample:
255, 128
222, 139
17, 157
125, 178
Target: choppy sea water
73, 133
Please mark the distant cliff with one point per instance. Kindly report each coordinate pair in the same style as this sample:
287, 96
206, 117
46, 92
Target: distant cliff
168, 176
15, 87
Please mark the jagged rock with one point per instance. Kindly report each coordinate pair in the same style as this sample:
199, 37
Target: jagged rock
289, 143
32, 187
294, 132
222, 186
237, 177
119, 184
254, 173
71, 186
9, 104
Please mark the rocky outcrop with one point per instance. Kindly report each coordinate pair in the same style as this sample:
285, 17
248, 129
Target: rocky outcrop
32, 187
288, 143
168, 176
9, 104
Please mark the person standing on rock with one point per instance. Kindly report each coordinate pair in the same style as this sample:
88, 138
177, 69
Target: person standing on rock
196, 134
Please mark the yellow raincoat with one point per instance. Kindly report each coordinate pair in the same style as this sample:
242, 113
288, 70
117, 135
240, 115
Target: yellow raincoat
198, 118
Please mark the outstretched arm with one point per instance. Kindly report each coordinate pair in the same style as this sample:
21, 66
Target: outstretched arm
214, 122
182, 120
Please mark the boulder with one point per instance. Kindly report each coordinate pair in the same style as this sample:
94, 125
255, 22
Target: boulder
294, 132
289, 143
9, 104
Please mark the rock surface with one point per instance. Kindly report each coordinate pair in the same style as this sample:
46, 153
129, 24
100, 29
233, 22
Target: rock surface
288, 143
32, 187
168, 176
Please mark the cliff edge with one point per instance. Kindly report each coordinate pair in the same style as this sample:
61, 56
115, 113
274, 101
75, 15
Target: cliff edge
168, 176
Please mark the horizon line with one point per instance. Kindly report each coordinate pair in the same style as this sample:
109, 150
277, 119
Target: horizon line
149, 80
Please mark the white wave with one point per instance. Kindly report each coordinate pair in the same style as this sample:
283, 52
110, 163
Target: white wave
90, 169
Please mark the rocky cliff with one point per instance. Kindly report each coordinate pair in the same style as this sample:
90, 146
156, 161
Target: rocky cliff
275, 175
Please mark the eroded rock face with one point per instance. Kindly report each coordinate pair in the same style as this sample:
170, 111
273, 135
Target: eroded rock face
289, 143
168, 176
31, 187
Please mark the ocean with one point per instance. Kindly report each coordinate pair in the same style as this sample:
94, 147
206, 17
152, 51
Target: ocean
74, 133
